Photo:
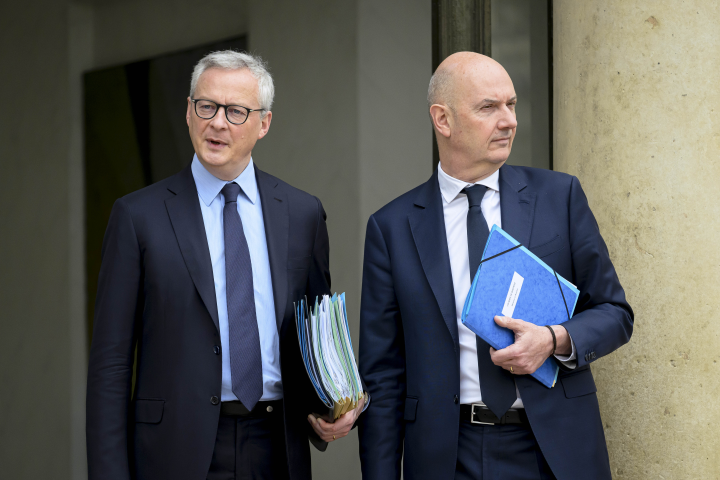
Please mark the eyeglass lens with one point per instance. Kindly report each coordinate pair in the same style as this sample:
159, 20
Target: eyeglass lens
207, 110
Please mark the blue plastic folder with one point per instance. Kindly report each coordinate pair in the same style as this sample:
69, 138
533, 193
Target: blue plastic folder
512, 281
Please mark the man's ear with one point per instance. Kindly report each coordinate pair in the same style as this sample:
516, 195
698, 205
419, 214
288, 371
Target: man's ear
442, 119
189, 111
265, 125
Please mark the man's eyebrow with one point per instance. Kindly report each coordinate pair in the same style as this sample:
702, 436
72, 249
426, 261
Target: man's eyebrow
494, 100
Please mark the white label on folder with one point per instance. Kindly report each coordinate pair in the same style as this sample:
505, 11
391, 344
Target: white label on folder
513, 294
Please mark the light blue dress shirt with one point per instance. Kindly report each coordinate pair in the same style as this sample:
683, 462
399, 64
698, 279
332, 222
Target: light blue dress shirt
212, 203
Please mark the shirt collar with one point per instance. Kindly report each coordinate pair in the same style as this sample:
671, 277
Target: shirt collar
450, 187
209, 186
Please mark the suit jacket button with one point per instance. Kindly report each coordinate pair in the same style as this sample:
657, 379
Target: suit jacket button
216, 350
214, 400
456, 400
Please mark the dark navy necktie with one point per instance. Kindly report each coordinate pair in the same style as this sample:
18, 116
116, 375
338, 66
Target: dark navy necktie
496, 384
245, 358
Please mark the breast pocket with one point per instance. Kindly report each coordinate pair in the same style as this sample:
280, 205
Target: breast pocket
299, 263
548, 248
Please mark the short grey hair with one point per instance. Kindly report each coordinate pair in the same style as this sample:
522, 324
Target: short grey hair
232, 60
440, 89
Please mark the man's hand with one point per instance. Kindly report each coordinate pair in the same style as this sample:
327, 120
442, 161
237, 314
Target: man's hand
533, 344
342, 426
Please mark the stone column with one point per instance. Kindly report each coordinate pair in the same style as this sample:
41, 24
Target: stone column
637, 119
458, 26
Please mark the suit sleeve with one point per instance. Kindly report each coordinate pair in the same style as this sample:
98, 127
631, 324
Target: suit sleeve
318, 285
603, 319
117, 309
319, 280
382, 363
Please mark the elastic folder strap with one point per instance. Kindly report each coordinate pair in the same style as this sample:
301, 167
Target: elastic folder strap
567, 311
563, 295
502, 253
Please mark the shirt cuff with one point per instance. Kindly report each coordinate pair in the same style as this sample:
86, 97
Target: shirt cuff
568, 361
367, 401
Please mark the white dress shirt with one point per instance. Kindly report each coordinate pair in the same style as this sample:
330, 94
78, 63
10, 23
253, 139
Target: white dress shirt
212, 204
455, 210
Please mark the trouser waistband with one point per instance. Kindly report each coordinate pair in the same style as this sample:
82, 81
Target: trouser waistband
261, 409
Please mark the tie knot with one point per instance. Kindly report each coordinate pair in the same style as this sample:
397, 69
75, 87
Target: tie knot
475, 194
231, 191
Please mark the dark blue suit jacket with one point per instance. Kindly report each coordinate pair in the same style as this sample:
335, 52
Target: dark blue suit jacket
156, 292
409, 350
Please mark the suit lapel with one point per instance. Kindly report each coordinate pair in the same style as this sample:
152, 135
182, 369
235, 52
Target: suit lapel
517, 205
427, 223
277, 226
186, 218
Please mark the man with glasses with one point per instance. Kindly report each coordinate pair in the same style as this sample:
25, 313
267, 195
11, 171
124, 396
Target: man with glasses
199, 274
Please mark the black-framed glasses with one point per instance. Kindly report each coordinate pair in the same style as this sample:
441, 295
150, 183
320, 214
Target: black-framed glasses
235, 114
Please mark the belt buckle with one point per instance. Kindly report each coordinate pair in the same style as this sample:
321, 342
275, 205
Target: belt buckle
472, 415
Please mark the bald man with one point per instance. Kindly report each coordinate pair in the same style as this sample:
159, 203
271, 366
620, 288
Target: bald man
454, 406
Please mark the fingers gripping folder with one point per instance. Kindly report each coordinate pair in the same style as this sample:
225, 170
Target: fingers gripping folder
513, 282
328, 355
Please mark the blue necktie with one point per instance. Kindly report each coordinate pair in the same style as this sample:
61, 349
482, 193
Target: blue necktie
497, 385
245, 358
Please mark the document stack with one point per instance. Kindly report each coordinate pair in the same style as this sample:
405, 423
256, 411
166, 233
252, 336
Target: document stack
328, 354
511, 281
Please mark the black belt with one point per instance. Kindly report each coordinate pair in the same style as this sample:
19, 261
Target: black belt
482, 415
261, 409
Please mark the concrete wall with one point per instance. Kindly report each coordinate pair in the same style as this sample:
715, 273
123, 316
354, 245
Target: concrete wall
130, 30
637, 119
395, 133
36, 377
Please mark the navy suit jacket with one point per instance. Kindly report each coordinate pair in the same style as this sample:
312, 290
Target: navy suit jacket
156, 293
409, 350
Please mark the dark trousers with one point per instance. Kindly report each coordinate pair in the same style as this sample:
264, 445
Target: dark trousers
499, 452
250, 448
